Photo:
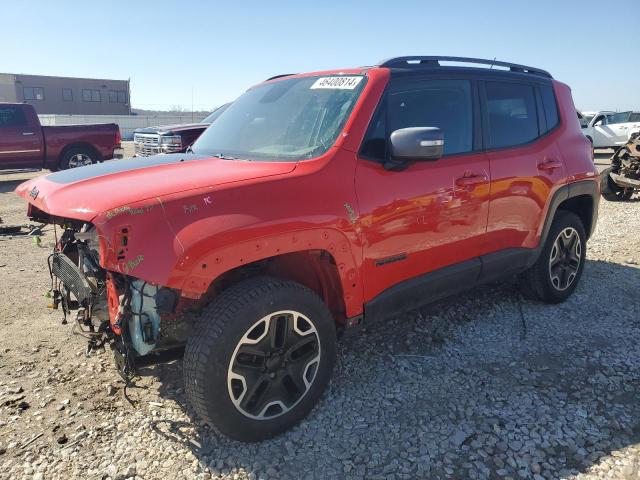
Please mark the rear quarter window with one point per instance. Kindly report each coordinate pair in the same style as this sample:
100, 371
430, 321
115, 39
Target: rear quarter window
550, 106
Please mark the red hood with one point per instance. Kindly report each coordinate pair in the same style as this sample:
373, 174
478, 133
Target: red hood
82, 193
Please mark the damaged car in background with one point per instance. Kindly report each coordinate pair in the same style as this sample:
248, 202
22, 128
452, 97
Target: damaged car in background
622, 179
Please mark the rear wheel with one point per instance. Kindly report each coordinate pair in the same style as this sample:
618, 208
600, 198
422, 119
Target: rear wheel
259, 358
612, 191
556, 273
77, 157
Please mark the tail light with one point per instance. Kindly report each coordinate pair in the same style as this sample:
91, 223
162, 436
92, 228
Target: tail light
118, 137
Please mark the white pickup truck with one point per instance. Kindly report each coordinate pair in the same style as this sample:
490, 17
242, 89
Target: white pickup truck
611, 129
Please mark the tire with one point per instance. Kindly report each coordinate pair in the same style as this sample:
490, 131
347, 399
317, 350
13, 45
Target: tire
547, 282
612, 191
232, 381
77, 157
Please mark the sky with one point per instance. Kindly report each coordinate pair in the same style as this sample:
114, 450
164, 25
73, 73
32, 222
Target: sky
208, 53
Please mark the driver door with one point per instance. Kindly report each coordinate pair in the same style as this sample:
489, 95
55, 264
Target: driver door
426, 220
20, 144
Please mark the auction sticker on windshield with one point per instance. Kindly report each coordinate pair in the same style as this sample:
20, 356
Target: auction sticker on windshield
341, 83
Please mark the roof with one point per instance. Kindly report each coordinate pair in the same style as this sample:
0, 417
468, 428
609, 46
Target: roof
66, 78
435, 62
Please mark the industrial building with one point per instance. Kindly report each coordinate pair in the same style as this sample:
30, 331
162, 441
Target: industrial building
67, 95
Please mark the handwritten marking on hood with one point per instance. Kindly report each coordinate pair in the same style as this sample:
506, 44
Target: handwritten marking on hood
190, 208
126, 209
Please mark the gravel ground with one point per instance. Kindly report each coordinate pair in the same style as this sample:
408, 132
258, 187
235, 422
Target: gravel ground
484, 385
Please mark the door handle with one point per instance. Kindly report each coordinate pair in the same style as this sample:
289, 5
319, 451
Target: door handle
549, 165
470, 180
26, 134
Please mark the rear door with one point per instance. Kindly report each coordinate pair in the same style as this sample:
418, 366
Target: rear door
20, 143
428, 214
520, 121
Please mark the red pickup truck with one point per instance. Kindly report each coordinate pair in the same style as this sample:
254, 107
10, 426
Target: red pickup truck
24, 143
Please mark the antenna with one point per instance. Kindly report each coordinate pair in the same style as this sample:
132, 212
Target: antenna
492, 63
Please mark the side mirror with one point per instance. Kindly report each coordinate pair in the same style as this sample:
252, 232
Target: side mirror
416, 144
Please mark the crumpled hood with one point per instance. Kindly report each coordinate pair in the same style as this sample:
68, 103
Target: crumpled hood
84, 192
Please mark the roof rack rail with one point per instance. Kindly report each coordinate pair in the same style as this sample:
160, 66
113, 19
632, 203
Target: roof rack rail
434, 61
280, 76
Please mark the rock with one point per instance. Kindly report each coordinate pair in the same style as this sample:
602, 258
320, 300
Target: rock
111, 390
13, 390
459, 437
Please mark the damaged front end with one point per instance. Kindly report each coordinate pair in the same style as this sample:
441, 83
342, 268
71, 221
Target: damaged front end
622, 179
138, 319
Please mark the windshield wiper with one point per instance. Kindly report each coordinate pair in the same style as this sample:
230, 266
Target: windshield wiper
229, 157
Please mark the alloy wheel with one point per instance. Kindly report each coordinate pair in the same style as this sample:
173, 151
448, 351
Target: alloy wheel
566, 255
79, 160
274, 365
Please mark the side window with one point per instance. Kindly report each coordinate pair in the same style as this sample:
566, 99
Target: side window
550, 106
446, 104
511, 110
600, 120
67, 95
12, 117
634, 117
622, 117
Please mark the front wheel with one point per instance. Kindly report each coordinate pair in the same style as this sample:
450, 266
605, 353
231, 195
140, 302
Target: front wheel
259, 358
556, 273
611, 190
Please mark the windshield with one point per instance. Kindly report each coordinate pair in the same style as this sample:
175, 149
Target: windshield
215, 114
288, 120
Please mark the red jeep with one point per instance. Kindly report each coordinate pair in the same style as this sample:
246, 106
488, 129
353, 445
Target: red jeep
315, 203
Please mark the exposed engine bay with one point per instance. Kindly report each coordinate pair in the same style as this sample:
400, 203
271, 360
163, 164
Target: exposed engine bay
622, 179
136, 318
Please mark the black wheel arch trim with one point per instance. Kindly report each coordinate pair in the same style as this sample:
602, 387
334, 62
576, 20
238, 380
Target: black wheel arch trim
565, 192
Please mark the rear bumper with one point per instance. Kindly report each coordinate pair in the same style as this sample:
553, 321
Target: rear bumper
118, 153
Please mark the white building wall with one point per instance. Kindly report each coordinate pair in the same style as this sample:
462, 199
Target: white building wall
127, 123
